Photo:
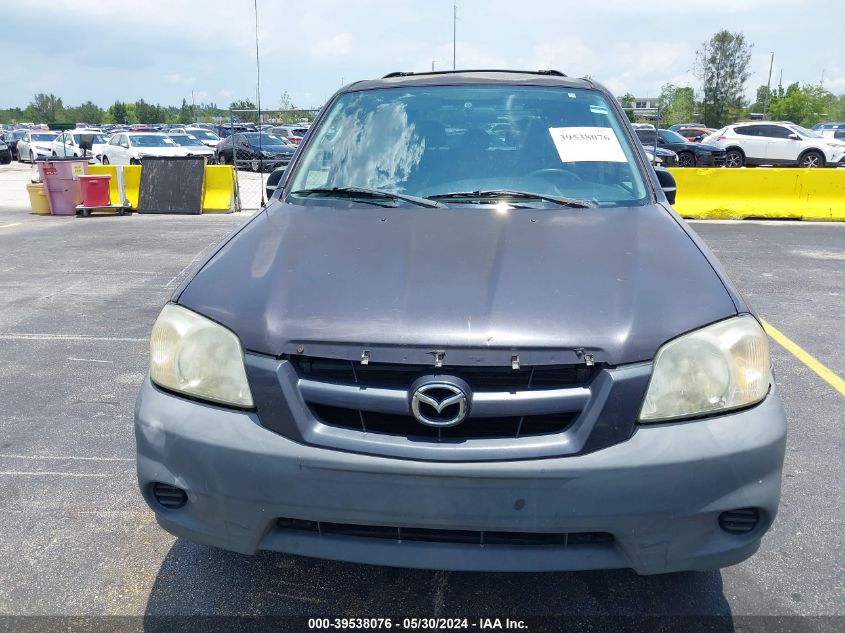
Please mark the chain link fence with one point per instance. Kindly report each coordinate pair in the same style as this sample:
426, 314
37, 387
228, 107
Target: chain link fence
256, 145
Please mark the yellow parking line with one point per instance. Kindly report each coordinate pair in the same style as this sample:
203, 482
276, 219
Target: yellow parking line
823, 372
6, 226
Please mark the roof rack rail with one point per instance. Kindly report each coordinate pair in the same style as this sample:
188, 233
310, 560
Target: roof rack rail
402, 73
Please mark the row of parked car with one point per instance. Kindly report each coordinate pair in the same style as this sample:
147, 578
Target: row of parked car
260, 149
750, 144
263, 148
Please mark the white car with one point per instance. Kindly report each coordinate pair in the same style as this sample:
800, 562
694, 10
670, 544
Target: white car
776, 143
128, 148
193, 146
35, 144
67, 144
206, 137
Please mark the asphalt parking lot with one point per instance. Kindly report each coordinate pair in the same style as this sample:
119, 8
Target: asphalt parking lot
79, 296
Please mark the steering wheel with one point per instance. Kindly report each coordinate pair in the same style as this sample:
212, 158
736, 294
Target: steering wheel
550, 171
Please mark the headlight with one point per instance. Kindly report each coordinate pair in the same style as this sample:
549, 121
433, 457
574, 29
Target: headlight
266, 154
717, 368
196, 356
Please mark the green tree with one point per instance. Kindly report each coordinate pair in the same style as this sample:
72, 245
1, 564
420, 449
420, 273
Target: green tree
763, 100
805, 105
131, 113
117, 111
722, 65
676, 104
285, 102
244, 104
628, 101
45, 108
88, 112
837, 108
186, 114
149, 113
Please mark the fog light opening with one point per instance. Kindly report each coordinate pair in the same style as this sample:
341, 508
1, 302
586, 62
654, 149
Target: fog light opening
739, 521
169, 497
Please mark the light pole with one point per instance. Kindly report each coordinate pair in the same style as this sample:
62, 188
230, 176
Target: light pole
769, 86
454, 33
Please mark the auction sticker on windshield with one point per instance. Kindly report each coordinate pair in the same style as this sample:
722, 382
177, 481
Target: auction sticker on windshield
587, 144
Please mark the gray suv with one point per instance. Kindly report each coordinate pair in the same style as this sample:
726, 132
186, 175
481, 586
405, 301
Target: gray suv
468, 332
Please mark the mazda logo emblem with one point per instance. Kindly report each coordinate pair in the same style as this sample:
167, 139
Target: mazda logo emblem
439, 404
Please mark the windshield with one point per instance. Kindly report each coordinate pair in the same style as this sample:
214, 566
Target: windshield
266, 139
142, 140
672, 137
427, 141
204, 134
43, 137
99, 139
185, 140
804, 131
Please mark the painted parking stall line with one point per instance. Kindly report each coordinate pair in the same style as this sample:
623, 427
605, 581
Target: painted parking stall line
805, 357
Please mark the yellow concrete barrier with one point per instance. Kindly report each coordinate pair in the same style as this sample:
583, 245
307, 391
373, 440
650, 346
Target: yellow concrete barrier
781, 193
131, 181
218, 194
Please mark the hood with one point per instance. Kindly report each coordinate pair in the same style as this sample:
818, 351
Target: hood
209, 142
161, 151
198, 150
406, 281
275, 149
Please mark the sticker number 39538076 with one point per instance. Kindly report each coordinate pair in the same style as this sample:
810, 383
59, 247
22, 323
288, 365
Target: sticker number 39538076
587, 144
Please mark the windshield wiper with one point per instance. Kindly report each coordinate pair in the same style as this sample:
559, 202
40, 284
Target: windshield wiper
575, 203
361, 192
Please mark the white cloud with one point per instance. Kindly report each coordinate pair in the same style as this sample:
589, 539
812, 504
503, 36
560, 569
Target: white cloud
337, 45
173, 77
630, 46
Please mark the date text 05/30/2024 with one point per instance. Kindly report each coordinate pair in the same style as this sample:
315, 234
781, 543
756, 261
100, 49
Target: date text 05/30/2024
416, 624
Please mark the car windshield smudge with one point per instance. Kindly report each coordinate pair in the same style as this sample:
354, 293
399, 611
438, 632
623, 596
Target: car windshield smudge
424, 141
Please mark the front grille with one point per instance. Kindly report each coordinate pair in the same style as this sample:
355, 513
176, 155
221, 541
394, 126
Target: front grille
471, 428
479, 378
428, 535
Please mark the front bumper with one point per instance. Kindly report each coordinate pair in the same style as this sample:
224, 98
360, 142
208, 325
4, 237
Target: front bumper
659, 494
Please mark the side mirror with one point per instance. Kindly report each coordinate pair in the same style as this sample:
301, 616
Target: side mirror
667, 183
794, 137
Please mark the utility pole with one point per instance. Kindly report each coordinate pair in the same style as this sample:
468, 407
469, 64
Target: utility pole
432, 64
454, 34
769, 86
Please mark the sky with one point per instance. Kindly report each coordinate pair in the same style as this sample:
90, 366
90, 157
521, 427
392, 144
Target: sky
162, 50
